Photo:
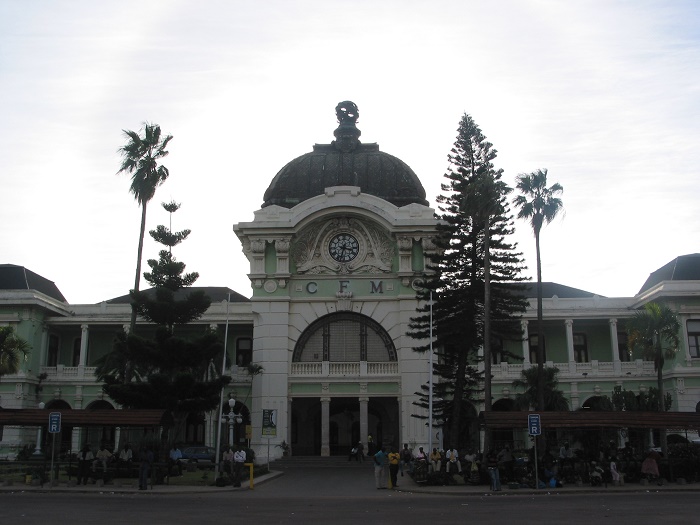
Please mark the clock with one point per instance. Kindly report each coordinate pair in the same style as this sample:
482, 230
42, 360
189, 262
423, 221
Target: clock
343, 247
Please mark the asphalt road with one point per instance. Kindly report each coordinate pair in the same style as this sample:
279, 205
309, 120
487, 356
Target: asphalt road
329, 496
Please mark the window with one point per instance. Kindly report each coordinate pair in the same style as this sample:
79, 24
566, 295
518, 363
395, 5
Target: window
497, 356
52, 356
623, 348
694, 338
244, 351
76, 352
580, 348
344, 337
533, 349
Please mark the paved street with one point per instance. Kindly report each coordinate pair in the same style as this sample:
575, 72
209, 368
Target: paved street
347, 495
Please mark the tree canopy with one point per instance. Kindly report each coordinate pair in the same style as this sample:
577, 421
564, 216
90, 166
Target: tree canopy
472, 191
12, 350
168, 371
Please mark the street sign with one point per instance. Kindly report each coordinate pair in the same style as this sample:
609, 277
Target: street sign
54, 423
269, 422
534, 427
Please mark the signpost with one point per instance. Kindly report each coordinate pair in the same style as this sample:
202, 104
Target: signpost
534, 428
269, 428
54, 428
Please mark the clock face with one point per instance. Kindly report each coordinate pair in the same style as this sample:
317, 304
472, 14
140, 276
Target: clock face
343, 247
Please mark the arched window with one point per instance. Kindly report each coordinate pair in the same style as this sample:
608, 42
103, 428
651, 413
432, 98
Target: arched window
345, 337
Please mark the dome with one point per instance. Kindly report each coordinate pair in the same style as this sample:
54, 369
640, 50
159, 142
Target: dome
683, 268
345, 162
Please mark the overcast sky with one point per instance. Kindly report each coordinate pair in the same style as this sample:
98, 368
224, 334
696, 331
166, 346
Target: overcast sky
604, 94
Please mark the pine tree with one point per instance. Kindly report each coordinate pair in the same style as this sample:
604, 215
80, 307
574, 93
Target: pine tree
167, 371
473, 199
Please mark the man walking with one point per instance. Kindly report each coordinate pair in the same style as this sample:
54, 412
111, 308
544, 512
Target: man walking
380, 460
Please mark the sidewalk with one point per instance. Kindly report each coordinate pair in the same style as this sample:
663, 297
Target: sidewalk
132, 488
406, 484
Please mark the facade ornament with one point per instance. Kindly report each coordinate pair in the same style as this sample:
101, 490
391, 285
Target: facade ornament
347, 135
344, 302
311, 255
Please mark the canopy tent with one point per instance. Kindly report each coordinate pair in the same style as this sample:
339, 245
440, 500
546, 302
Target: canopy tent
593, 419
87, 418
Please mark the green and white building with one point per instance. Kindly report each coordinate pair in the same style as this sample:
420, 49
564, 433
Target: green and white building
335, 254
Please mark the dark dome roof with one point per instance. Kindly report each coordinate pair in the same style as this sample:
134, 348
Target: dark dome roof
345, 162
683, 268
13, 277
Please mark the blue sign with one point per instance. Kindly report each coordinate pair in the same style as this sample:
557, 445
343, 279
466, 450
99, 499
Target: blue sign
54, 423
534, 426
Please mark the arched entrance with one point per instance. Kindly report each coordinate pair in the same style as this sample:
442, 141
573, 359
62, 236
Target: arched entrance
504, 436
356, 350
98, 436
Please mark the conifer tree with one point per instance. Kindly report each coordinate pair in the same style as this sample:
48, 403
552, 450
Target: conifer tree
474, 217
168, 371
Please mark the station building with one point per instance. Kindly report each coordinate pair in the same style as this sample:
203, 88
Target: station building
336, 252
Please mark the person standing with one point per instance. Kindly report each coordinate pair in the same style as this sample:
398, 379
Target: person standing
146, 460
239, 458
436, 460
505, 458
452, 461
492, 465
85, 459
228, 462
370, 445
394, 459
380, 459
175, 460
360, 452
406, 459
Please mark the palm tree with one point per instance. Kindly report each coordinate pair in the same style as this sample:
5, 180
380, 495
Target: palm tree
648, 330
553, 397
12, 349
539, 204
141, 155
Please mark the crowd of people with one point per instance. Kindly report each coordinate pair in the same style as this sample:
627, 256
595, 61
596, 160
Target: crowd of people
607, 464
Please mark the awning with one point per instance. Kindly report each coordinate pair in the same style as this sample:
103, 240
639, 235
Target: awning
87, 418
593, 419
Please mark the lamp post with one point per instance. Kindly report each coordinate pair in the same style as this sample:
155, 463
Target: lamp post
37, 450
231, 416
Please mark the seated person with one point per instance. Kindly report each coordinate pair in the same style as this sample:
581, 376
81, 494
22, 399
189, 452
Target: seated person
353, 454
566, 455
103, 456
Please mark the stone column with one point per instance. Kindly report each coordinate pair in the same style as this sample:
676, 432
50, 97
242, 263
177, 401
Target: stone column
526, 345
44, 346
617, 367
325, 426
83, 343
569, 323
363, 421
289, 425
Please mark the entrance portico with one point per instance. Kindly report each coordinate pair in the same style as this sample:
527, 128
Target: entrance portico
331, 426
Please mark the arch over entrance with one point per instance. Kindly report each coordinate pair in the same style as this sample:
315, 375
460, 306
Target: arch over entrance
98, 436
344, 337
347, 412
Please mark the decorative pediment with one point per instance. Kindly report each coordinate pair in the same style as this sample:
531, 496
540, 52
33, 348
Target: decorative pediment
314, 249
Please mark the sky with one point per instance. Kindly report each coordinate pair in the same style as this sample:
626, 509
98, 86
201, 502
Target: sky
604, 94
